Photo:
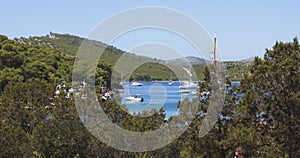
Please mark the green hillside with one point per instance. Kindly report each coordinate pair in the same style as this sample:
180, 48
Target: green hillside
69, 45
154, 70
237, 70
20, 61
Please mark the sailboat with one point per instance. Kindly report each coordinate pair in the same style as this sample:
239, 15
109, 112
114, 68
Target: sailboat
188, 84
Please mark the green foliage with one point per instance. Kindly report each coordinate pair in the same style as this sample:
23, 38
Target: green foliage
22, 108
10, 75
153, 72
270, 105
206, 73
22, 61
69, 45
35, 123
237, 70
3, 38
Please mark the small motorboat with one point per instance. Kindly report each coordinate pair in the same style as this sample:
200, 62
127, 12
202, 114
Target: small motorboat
134, 98
136, 84
194, 92
184, 91
171, 83
188, 85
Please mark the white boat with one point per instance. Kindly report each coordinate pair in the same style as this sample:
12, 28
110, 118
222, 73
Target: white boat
205, 93
184, 91
188, 85
134, 98
122, 83
194, 92
136, 84
171, 83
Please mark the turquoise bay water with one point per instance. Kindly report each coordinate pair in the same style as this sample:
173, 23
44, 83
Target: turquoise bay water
155, 95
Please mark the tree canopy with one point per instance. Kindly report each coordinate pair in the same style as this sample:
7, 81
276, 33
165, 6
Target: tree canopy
262, 115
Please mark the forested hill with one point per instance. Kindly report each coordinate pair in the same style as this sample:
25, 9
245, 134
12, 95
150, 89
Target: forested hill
68, 45
20, 62
51, 57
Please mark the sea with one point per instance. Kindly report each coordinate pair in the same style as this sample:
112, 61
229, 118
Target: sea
155, 95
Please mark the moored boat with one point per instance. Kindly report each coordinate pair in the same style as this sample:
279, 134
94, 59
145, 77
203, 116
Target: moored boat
184, 91
188, 86
134, 98
136, 84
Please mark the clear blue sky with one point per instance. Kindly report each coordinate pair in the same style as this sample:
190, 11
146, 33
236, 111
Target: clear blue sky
244, 28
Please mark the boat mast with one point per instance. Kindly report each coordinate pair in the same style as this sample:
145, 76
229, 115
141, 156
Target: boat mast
190, 74
215, 49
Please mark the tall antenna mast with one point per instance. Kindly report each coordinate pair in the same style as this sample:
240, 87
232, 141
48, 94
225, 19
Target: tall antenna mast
215, 49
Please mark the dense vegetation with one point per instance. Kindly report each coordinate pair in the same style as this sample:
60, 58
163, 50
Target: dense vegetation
237, 70
69, 45
262, 115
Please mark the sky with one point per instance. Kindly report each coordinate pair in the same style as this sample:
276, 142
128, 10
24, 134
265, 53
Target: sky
244, 28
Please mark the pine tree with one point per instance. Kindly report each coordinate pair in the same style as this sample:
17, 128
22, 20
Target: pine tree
269, 110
